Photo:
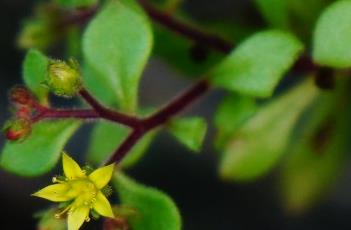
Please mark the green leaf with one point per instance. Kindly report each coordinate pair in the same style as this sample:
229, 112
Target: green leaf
40, 152
276, 12
48, 221
116, 47
332, 37
105, 139
318, 156
258, 144
189, 131
168, 5
303, 16
34, 73
76, 3
176, 51
155, 210
233, 111
257, 65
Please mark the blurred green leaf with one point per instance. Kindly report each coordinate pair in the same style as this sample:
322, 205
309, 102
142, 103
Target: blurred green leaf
34, 73
155, 210
189, 131
182, 54
332, 36
318, 155
36, 33
276, 12
168, 5
73, 42
48, 221
40, 152
304, 14
258, 144
233, 111
116, 47
76, 3
105, 139
257, 65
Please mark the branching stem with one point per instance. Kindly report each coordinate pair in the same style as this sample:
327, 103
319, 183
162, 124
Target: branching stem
139, 127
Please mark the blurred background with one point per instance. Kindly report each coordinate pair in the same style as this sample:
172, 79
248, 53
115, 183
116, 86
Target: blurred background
191, 180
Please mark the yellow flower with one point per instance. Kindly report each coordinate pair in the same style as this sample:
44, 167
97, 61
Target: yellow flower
84, 192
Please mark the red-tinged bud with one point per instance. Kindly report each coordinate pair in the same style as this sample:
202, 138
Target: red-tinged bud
21, 95
17, 129
24, 112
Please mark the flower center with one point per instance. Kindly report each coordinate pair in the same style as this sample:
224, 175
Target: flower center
85, 191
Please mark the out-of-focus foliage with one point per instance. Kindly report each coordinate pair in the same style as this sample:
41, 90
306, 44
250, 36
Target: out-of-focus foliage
233, 111
257, 146
76, 3
318, 155
49, 221
298, 16
184, 55
275, 12
155, 210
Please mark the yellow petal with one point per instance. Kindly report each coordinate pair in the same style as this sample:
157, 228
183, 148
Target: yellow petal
101, 176
102, 206
77, 217
56, 193
71, 168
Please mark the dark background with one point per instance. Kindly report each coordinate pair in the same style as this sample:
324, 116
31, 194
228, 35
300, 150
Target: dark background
191, 180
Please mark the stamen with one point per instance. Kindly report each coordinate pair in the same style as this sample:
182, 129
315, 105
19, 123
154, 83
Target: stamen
87, 219
59, 179
58, 215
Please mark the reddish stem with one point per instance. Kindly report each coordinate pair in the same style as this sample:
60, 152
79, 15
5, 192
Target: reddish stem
48, 113
159, 118
107, 113
141, 126
199, 36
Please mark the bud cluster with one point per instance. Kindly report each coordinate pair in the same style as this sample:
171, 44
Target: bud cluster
23, 102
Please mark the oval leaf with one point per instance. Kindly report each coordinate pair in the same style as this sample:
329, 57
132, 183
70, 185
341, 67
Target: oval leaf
34, 73
275, 12
189, 131
332, 37
318, 156
181, 54
155, 210
116, 46
233, 111
40, 152
257, 65
260, 142
105, 139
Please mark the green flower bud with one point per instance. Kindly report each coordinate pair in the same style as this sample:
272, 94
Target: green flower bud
64, 79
